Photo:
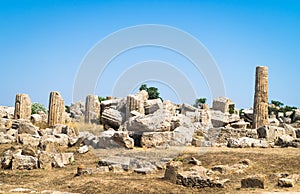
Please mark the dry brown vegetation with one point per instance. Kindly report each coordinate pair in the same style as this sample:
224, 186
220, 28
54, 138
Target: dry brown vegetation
264, 161
92, 128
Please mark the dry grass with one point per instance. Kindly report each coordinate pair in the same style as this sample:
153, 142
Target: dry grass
92, 128
264, 161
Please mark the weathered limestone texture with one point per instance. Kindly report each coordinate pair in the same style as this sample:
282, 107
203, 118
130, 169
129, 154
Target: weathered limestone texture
261, 97
92, 109
56, 109
136, 103
223, 104
22, 107
112, 118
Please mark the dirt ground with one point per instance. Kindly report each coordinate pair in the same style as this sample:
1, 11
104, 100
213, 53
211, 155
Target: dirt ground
264, 161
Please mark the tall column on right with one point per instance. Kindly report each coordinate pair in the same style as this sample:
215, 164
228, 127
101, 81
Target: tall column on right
260, 113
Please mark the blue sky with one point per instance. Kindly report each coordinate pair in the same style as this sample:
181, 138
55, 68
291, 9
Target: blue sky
42, 44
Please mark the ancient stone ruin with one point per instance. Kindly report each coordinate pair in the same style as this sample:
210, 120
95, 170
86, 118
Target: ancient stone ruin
92, 109
261, 105
223, 104
136, 103
56, 109
159, 128
22, 107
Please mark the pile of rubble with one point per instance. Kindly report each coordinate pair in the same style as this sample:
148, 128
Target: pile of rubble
34, 148
134, 121
150, 123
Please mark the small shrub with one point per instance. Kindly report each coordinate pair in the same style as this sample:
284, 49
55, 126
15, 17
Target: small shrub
72, 162
36, 107
277, 103
67, 109
100, 98
143, 87
231, 110
199, 101
178, 159
241, 111
152, 91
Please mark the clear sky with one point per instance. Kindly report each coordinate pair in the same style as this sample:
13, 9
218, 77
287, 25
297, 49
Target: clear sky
43, 42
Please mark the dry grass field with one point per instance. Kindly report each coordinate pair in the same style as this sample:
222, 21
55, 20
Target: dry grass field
263, 161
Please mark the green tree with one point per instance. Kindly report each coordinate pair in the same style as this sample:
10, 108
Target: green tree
143, 87
277, 103
36, 107
279, 107
231, 110
241, 111
67, 109
289, 108
199, 101
100, 98
152, 91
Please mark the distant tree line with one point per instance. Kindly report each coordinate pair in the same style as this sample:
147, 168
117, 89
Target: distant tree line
279, 107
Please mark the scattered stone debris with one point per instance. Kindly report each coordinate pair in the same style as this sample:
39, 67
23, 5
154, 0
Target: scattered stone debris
172, 170
236, 168
257, 181
82, 170
246, 142
102, 169
144, 170
195, 161
84, 149
288, 181
196, 176
286, 141
123, 162
122, 138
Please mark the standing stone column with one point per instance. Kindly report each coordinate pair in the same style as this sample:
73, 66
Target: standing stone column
92, 109
22, 106
260, 114
56, 109
136, 103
